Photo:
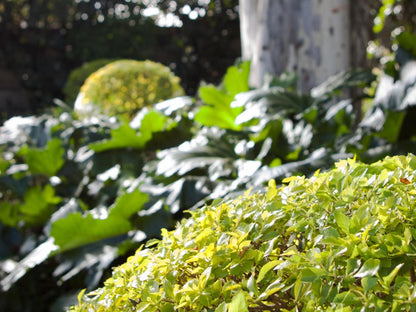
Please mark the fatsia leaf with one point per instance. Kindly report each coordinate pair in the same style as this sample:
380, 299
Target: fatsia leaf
218, 112
77, 230
236, 78
46, 160
392, 126
217, 109
128, 204
9, 213
153, 121
315, 161
407, 41
125, 136
207, 148
4, 165
38, 204
210, 116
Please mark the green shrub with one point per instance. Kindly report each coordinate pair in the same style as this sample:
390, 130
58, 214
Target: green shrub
123, 87
78, 76
340, 241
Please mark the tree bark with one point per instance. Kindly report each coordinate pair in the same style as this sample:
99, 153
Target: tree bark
308, 37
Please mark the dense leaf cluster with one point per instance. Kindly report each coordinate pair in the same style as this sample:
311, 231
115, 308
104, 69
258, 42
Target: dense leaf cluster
123, 87
340, 241
78, 76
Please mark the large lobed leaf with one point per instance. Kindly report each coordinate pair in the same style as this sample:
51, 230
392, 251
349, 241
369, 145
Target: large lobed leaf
127, 137
216, 109
46, 160
77, 230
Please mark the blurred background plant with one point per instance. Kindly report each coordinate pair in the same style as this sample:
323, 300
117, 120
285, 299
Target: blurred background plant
43, 41
78, 76
394, 40
123, 87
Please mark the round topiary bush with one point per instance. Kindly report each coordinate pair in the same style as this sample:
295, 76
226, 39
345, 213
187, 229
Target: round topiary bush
78, 76
123, 87
344, 240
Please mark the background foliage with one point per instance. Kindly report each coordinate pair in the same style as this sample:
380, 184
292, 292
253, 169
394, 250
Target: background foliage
123, 87
78, 76
42, 41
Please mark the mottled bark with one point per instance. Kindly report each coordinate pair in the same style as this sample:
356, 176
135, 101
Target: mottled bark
361, 17
309, 37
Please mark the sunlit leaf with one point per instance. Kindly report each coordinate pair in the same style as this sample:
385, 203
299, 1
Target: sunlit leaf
76, 230
217, 109
266, 268
347, 298
238, 304
369, 268
46, 160
127, 137
128, 204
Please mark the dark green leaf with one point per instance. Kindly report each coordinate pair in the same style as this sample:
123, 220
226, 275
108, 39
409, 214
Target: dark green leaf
35, 257
310, 274
407, 41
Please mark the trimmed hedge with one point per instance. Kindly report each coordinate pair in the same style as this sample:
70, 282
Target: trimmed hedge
343, 240
78, 76
124, 87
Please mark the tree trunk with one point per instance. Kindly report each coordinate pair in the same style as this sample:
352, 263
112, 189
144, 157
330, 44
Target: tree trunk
308, 37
